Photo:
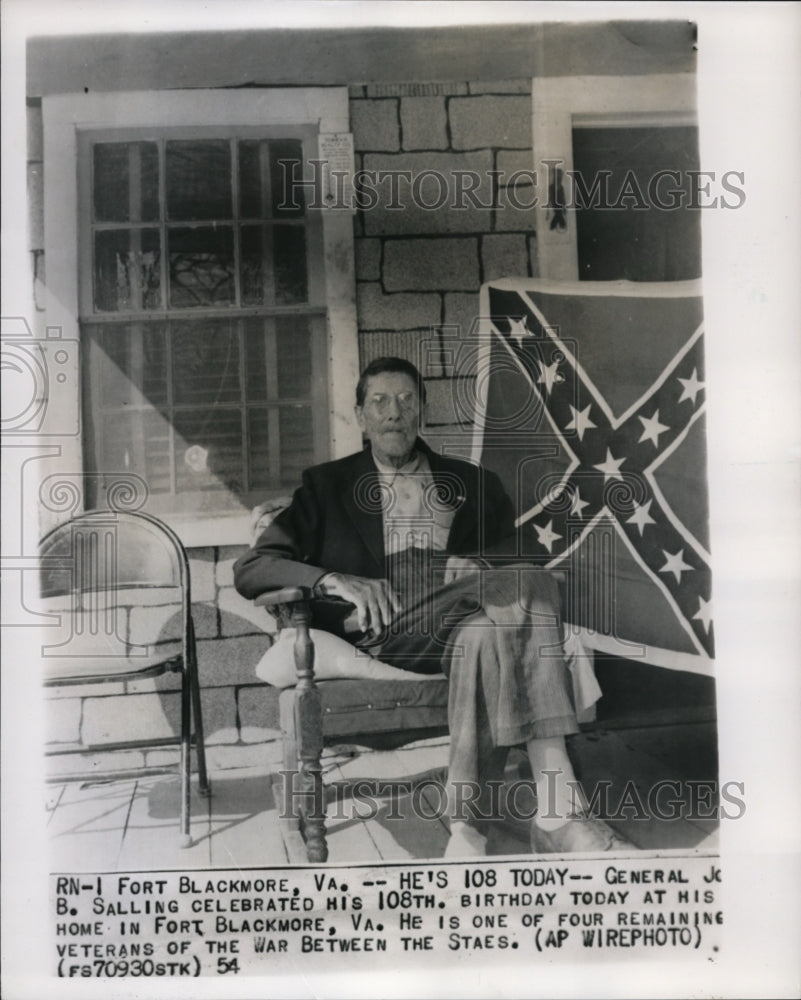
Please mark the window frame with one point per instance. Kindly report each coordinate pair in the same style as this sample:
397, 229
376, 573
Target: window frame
67, 116
560, 104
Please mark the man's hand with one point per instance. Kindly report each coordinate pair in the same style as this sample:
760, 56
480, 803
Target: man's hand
459, 566
375, 601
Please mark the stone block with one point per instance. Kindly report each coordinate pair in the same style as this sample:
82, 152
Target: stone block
432, 193
421, 347
206, 621
167, 682
478, 122
258, 713
158, 623
227, 662
442, 263
448, 403
424, 123
130, 717
368, 259
201, 573
462, 311
522, 86
238, 616
227, 555
415, 89
219, 715
63, 720
516, 166
374, 124
504, 256
35, 206
378, 311
356, 90
516, 209
226, 758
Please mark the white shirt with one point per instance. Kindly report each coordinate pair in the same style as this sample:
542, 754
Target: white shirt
413, 514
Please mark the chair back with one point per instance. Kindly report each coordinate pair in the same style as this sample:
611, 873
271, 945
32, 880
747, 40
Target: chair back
115, 578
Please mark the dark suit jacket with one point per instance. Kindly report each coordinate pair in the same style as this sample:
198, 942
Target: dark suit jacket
334, 524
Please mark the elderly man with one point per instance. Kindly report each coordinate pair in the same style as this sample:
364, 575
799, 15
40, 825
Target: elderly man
394, 541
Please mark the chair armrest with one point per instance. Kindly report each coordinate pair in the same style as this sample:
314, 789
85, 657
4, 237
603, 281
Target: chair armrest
286, 595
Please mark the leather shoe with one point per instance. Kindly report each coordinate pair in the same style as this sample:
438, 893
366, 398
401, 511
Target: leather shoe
581, 833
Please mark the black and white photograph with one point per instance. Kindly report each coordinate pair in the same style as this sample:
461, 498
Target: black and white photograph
400, 480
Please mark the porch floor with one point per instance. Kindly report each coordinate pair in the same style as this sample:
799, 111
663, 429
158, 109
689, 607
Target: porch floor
129, 825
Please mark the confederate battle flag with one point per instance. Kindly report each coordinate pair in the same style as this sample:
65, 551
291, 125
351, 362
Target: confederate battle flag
592, 410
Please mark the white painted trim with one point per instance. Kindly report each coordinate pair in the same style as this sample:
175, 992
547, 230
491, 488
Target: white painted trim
560, 102
65, 115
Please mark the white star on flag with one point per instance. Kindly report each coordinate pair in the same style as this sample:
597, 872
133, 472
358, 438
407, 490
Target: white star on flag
652, 428
549, 375
675, 564
610, 467
641, 515
580, 422
546, 536
704, 613
518, 330
691, 387
578, 505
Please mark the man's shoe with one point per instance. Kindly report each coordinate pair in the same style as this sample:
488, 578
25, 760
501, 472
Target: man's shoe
581, 833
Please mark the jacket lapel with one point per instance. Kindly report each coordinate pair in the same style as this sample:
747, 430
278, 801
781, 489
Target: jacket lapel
459, 494
362, 502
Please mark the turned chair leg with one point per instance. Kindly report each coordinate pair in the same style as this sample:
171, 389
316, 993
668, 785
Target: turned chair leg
309, 735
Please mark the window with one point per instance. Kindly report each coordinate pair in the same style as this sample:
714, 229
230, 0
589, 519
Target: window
206, 312
203, 317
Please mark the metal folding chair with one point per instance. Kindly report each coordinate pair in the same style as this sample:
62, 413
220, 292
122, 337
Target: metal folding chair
99, 573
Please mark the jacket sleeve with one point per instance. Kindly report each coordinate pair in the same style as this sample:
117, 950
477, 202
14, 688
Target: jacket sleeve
285, 553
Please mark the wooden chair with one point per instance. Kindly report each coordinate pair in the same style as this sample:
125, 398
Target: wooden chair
96, 570
374, 713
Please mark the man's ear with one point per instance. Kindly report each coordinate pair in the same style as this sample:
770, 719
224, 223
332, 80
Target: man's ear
359, 417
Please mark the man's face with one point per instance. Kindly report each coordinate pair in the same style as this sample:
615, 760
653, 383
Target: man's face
390, 416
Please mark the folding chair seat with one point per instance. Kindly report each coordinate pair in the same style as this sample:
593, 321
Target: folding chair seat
106, 576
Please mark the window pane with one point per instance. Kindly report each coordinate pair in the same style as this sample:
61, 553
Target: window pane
297, 443
205, 363
256, 250
289, 254
281, 445
286, 173
208, 450
273, 265
294, 356
270, 176
201, 267
130, 364
127, 275
126, 182
199, 179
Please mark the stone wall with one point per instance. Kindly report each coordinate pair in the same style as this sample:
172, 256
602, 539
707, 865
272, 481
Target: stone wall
437, 220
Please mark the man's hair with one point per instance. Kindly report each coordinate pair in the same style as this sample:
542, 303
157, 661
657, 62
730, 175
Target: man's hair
381, 366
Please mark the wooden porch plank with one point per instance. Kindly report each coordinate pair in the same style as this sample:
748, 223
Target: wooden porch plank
348, 836
244, 829
152, 838
87, 826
